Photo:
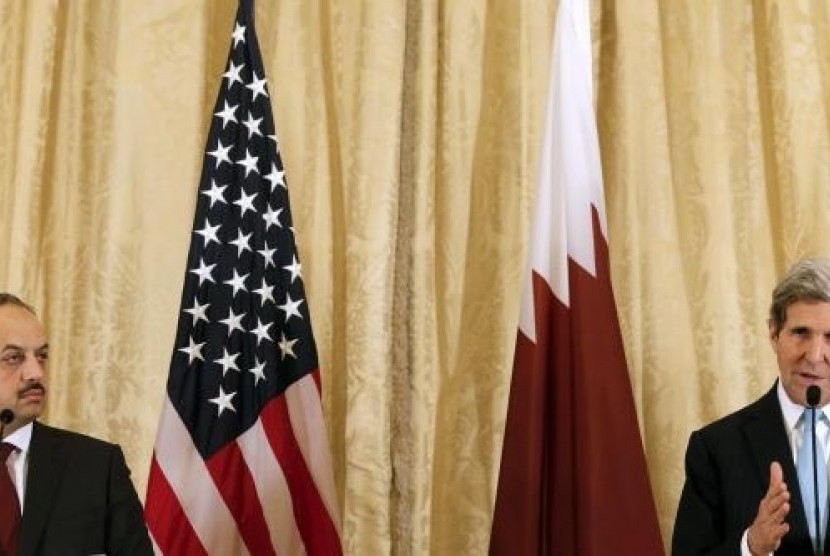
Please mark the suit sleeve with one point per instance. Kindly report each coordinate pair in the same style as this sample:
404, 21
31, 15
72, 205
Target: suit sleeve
126, 529
701, 524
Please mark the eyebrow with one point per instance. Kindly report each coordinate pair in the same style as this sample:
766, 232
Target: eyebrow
21, 348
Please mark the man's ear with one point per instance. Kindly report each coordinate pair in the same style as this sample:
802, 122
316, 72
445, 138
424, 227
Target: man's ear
774, 331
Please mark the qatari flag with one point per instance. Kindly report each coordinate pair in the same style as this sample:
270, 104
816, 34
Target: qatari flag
573, 478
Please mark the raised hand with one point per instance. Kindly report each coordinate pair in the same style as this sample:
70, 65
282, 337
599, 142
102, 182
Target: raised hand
770, 525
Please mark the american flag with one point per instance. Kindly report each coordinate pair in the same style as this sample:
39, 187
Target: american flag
241, 464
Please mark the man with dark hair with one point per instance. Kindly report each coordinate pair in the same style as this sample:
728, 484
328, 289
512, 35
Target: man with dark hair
749, 478
63, 493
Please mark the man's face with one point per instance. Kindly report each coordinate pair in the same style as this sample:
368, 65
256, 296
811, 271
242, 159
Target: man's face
802, 348
23, 357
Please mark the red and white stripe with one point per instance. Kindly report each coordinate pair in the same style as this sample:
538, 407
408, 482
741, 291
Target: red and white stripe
270, 492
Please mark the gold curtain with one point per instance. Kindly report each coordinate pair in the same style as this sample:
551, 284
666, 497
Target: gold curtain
410, 133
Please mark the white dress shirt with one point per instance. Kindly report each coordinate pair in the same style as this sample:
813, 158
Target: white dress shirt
18, 462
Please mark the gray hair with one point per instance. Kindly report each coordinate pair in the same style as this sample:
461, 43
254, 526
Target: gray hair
806, 280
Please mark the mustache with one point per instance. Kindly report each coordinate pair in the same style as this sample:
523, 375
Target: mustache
36, 386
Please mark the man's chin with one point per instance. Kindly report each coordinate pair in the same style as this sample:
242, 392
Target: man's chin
808, 382
29, 412
798, 392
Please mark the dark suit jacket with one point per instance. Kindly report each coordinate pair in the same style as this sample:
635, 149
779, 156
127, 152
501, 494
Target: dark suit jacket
727, 475
79, 498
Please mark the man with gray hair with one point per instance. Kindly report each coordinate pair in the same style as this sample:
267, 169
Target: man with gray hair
62, 492
750, 481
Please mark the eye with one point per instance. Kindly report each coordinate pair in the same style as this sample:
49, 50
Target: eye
801, 332
13, 358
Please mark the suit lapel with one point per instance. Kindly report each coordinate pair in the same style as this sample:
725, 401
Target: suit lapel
45, 472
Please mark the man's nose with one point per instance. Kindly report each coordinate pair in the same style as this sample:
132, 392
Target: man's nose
32, 369
818, 350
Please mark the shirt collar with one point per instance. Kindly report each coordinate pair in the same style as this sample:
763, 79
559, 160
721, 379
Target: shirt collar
791, 410
21, 438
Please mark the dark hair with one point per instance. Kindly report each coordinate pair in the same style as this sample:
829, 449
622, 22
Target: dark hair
11, 299
806, 280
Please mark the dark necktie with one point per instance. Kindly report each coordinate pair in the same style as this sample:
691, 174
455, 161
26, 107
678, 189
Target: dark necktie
9, 506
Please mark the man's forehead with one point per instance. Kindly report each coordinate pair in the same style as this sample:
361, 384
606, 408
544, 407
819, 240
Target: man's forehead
807, 312
18, 322
11, 310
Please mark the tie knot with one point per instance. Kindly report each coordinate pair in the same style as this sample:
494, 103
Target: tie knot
6, 448
807, 417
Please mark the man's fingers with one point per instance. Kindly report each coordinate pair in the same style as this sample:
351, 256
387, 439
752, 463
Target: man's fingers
778, 497
776, 481
774, 499
772, 515
770, 524
779, 531
778, 534
780, 513
776, 474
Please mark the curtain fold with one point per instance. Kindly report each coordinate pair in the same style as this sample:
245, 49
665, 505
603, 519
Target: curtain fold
410, 133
